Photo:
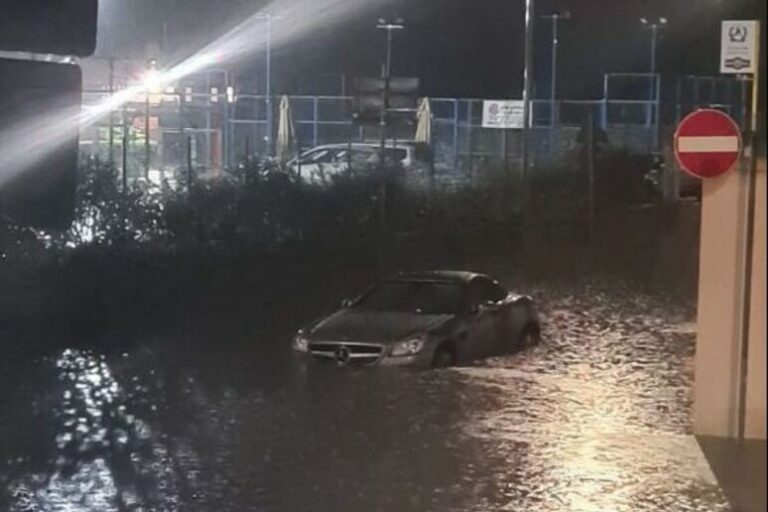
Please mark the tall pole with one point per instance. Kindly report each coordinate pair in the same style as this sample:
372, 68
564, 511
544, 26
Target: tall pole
147, 146
270, 127
126, 141
553, 91
527, 88
553, 117
652, 97
112, 113
386, 74
652, 109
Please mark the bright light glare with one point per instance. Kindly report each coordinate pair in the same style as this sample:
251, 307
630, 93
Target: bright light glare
24, 144
153, 81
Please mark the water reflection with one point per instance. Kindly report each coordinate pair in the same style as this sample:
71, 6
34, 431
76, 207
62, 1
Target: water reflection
595, 419
103, 456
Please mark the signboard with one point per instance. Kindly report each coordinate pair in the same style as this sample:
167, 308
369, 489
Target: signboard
369, 98
738, 47
60, 27
507, 114
707, 143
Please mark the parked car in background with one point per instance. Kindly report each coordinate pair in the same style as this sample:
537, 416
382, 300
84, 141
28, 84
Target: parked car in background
319, 165
424, 319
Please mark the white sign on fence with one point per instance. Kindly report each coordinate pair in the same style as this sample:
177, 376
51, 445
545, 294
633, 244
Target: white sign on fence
738, 48
503, 114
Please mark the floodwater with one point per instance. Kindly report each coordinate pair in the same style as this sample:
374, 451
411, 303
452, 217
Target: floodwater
222, 418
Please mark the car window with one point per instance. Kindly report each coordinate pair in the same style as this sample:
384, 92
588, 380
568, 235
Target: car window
318, 156
483, 290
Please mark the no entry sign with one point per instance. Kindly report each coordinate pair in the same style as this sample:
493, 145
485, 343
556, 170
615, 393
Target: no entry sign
707, 143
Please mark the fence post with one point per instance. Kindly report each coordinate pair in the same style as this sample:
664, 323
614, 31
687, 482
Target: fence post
455, 134
126, 141
604, 114
315, 111
471, 169
189, 164
657, 115
591, 177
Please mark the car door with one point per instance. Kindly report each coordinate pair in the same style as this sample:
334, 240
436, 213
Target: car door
496, 306
481, 329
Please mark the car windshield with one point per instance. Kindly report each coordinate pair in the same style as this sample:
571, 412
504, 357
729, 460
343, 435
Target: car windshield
421, 297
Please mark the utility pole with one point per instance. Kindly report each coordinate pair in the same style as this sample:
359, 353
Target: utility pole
386, 74
111, 113
147, 143
655, 26
150, 85
555, 18
527, 90
269, 19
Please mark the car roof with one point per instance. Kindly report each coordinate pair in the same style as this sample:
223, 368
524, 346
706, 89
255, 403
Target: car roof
456, 276
363, 145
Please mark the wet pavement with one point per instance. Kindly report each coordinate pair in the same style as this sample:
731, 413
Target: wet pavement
596, 419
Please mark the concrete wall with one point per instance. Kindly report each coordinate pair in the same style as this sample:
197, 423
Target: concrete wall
718, 353
756, 377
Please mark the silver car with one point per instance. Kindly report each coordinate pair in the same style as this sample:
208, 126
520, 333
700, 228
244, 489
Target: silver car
425, 319
318, 166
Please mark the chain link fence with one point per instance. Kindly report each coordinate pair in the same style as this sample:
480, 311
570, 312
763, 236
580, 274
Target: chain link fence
185, 131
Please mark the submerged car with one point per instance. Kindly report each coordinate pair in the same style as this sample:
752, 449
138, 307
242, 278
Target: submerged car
425, 319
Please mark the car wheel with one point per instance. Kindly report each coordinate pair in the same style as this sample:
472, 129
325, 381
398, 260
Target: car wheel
445, 357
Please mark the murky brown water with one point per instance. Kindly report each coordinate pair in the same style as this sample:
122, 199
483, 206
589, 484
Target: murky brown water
596, 419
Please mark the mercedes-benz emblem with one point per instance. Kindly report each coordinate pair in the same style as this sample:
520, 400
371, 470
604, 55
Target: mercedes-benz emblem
342, 355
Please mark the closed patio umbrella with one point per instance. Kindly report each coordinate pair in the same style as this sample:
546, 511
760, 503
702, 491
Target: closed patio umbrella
424, 122
286, 131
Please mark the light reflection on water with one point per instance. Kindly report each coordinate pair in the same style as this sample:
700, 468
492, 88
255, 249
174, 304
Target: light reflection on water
594, 420
101, 451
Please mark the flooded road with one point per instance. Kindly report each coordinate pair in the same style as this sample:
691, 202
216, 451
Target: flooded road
595, 419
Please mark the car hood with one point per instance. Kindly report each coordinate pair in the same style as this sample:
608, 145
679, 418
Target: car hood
374, 326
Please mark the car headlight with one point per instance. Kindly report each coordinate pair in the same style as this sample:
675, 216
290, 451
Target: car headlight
409, 347
301, 343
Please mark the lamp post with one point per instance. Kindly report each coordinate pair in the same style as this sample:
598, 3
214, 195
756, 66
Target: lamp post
151, 84
390, 27
386, 74
555, 18
527, 90
655, 26
269, 19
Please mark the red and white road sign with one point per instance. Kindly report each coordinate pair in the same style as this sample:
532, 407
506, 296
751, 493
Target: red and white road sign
707, 143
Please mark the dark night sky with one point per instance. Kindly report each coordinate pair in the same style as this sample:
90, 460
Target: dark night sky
471, 47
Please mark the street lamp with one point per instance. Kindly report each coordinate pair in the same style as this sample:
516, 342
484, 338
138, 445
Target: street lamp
527, 90
390, 27
152, 83
269, 19
386, 73
555, 17
654, 25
